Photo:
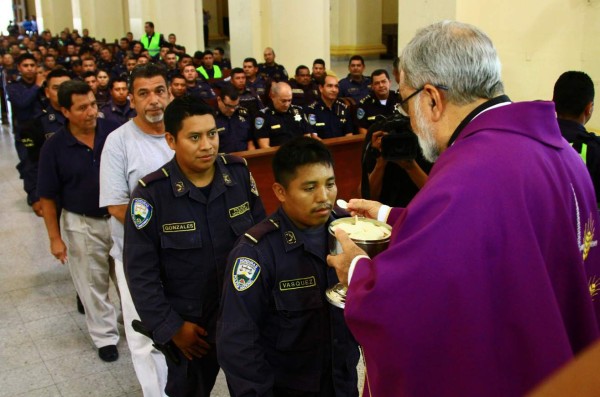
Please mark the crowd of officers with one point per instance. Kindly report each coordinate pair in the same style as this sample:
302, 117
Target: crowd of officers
68, 96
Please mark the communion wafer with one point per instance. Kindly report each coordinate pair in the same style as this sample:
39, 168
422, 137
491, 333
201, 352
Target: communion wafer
362, 230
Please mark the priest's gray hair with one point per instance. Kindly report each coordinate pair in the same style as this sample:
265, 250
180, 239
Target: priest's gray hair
456, 55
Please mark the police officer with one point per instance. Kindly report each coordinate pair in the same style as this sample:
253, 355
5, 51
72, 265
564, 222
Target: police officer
233, 123
328, 115
182, 222
254, 81
281, 121
355, 85
151, 40
44, 126
118, 107
277, 335
249, 100
196, 87
304, 90
24, 96
380, 101
269, 69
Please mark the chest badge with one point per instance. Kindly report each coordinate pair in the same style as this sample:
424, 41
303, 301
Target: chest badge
141, 212
245, 272
297, 117
290, 237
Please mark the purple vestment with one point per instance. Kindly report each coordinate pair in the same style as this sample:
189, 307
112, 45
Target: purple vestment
484, 290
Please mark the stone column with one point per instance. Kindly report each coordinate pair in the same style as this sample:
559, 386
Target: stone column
54, 15
282, 25
102, 23
356, 28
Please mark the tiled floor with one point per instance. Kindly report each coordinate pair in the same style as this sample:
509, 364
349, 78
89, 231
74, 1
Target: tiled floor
45, 349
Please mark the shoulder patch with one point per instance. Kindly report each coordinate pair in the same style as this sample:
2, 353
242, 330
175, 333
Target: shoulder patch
312, 119
360, 113
259, 122
258, 231
253, 187
141, 212
245, 272
154, 176
231, 159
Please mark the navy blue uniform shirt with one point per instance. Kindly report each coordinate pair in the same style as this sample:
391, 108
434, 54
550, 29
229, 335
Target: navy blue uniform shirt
329, 123
201, 90
177, 241
276, 328
258, 87
370, 107
70, 170
355, 89
234, 131
119, 114
33, 138
275, 72
303, 95
280, 127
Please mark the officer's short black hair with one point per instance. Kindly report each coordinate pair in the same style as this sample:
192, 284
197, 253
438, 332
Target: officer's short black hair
198, 54
180, 109
296, 153
236, 71
119, 79
300, 67
70, 88
76, 62
146, 71
89, 73
207, 52
220, 50
319, 61
379, 72
58, 72
23, 57
356, 58
151, 24
573, 91
252, 60
229, 91
396, 63
177, 76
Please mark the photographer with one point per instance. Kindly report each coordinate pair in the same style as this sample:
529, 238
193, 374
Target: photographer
393, 166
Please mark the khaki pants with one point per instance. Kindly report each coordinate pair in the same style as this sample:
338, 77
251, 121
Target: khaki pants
88, 243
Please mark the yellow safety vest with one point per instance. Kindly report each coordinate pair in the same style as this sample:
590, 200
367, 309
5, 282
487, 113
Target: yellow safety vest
217, 75
153, 46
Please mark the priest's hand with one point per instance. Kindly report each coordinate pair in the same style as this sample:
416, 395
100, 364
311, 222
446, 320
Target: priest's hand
366, 208
341, 262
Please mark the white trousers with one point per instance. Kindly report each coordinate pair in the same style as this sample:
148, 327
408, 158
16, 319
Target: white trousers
88, 244
149, 364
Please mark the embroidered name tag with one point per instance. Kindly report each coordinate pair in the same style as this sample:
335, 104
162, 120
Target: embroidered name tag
306, 282
179, 227
239, 210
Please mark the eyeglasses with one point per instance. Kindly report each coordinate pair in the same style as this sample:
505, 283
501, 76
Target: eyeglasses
404, 103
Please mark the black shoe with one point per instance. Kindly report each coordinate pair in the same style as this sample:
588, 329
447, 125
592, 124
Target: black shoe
108, 353
80, 307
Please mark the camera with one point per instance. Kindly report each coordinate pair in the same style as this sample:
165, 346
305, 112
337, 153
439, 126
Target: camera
400, 143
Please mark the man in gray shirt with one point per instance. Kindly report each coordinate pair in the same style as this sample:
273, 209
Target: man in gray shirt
132, 151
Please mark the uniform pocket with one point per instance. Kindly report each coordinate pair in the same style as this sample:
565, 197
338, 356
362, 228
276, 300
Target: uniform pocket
181, 240
300, 319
